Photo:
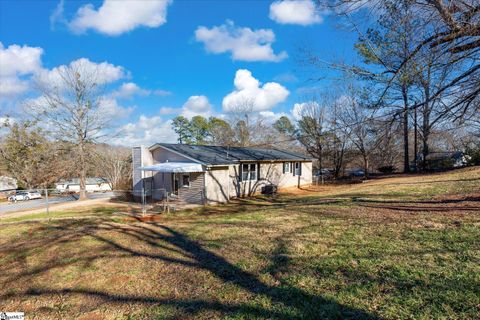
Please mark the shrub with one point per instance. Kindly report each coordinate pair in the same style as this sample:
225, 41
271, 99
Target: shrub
387, 169
474, 153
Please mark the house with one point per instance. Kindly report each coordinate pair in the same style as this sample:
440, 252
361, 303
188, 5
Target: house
91, 185
7, 184
207, 174
445, 160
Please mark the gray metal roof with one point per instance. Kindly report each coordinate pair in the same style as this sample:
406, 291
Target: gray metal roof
88, 180
218, 155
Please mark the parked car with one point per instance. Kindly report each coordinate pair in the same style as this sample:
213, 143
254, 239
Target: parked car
24, 196
356, 172
325, 173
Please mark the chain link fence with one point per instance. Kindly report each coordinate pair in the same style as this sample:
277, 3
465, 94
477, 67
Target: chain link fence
135, 202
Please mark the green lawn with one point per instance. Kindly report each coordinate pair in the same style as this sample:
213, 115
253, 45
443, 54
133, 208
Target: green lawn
370, 254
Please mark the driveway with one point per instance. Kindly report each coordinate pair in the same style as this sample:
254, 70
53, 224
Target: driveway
6, 207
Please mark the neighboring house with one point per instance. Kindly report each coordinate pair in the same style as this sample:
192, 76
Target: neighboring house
7, 184
91, 185
445, 160
206, 174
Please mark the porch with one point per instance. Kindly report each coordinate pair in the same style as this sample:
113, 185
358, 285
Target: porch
175, 183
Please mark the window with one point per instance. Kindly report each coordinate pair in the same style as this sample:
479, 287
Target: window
286, 167
249, 171
186, 180
298, 170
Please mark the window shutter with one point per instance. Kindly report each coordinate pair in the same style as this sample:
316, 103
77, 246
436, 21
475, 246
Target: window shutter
283, 164
300, 168
293, 168
240, 174
258, 171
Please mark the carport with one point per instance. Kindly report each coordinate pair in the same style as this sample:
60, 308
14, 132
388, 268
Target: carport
176, 179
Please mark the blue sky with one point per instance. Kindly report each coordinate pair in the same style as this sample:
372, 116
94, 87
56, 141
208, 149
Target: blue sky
169, 52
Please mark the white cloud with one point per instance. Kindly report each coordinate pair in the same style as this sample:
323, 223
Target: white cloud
168, 110
197, 105
11, 87
103, 73
250, 90
286, 78
115, 17
243, 43
146, 131
162, 93
17, 62
299, 109
270, 117
57, 15
301, 12
110, 108
128, 90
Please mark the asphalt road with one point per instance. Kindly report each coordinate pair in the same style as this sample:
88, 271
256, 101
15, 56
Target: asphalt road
6, 207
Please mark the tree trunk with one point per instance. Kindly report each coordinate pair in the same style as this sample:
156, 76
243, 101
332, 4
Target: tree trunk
406, 158
83, 171
365, 166
320, 162
426, 128
415, 141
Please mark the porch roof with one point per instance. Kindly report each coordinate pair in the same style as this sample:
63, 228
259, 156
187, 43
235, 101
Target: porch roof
174, 167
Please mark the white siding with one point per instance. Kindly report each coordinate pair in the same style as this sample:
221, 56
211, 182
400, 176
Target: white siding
218, 185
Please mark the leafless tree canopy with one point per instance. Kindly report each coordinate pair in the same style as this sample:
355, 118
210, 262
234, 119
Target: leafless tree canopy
70, 106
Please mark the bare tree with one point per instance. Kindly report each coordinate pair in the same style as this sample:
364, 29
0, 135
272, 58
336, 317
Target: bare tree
114, 164
71, 107
248, 126
359, 122
312, 130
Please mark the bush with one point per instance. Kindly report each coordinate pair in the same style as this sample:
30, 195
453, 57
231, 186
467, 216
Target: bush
474, 153
387, 169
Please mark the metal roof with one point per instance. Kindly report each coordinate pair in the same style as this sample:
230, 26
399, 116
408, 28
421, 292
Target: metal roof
219, 155
174, 167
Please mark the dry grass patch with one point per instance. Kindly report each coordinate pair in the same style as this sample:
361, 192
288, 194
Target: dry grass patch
290, 257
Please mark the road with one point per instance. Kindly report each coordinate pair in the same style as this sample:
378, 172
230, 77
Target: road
6, 207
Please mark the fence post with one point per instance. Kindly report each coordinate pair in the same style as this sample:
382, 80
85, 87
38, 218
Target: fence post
46, 199
143, 202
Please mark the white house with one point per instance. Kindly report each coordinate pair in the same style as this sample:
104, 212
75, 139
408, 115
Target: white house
7, 184
206, 174
91, 185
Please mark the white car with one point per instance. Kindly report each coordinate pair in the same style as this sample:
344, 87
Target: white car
24, 196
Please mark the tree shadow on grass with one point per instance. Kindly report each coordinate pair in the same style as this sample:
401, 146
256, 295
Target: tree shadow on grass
287, 301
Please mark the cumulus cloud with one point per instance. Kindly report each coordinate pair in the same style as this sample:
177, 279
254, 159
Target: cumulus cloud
243, 43
301, 12
102, 73
110, 108
115, 17
128, 90
11, 87
16, 62
146, 131
299, 109
270, 117
196, 105
249, 90
167, 110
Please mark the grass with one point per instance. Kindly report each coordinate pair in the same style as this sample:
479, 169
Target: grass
366, 251
86, 212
